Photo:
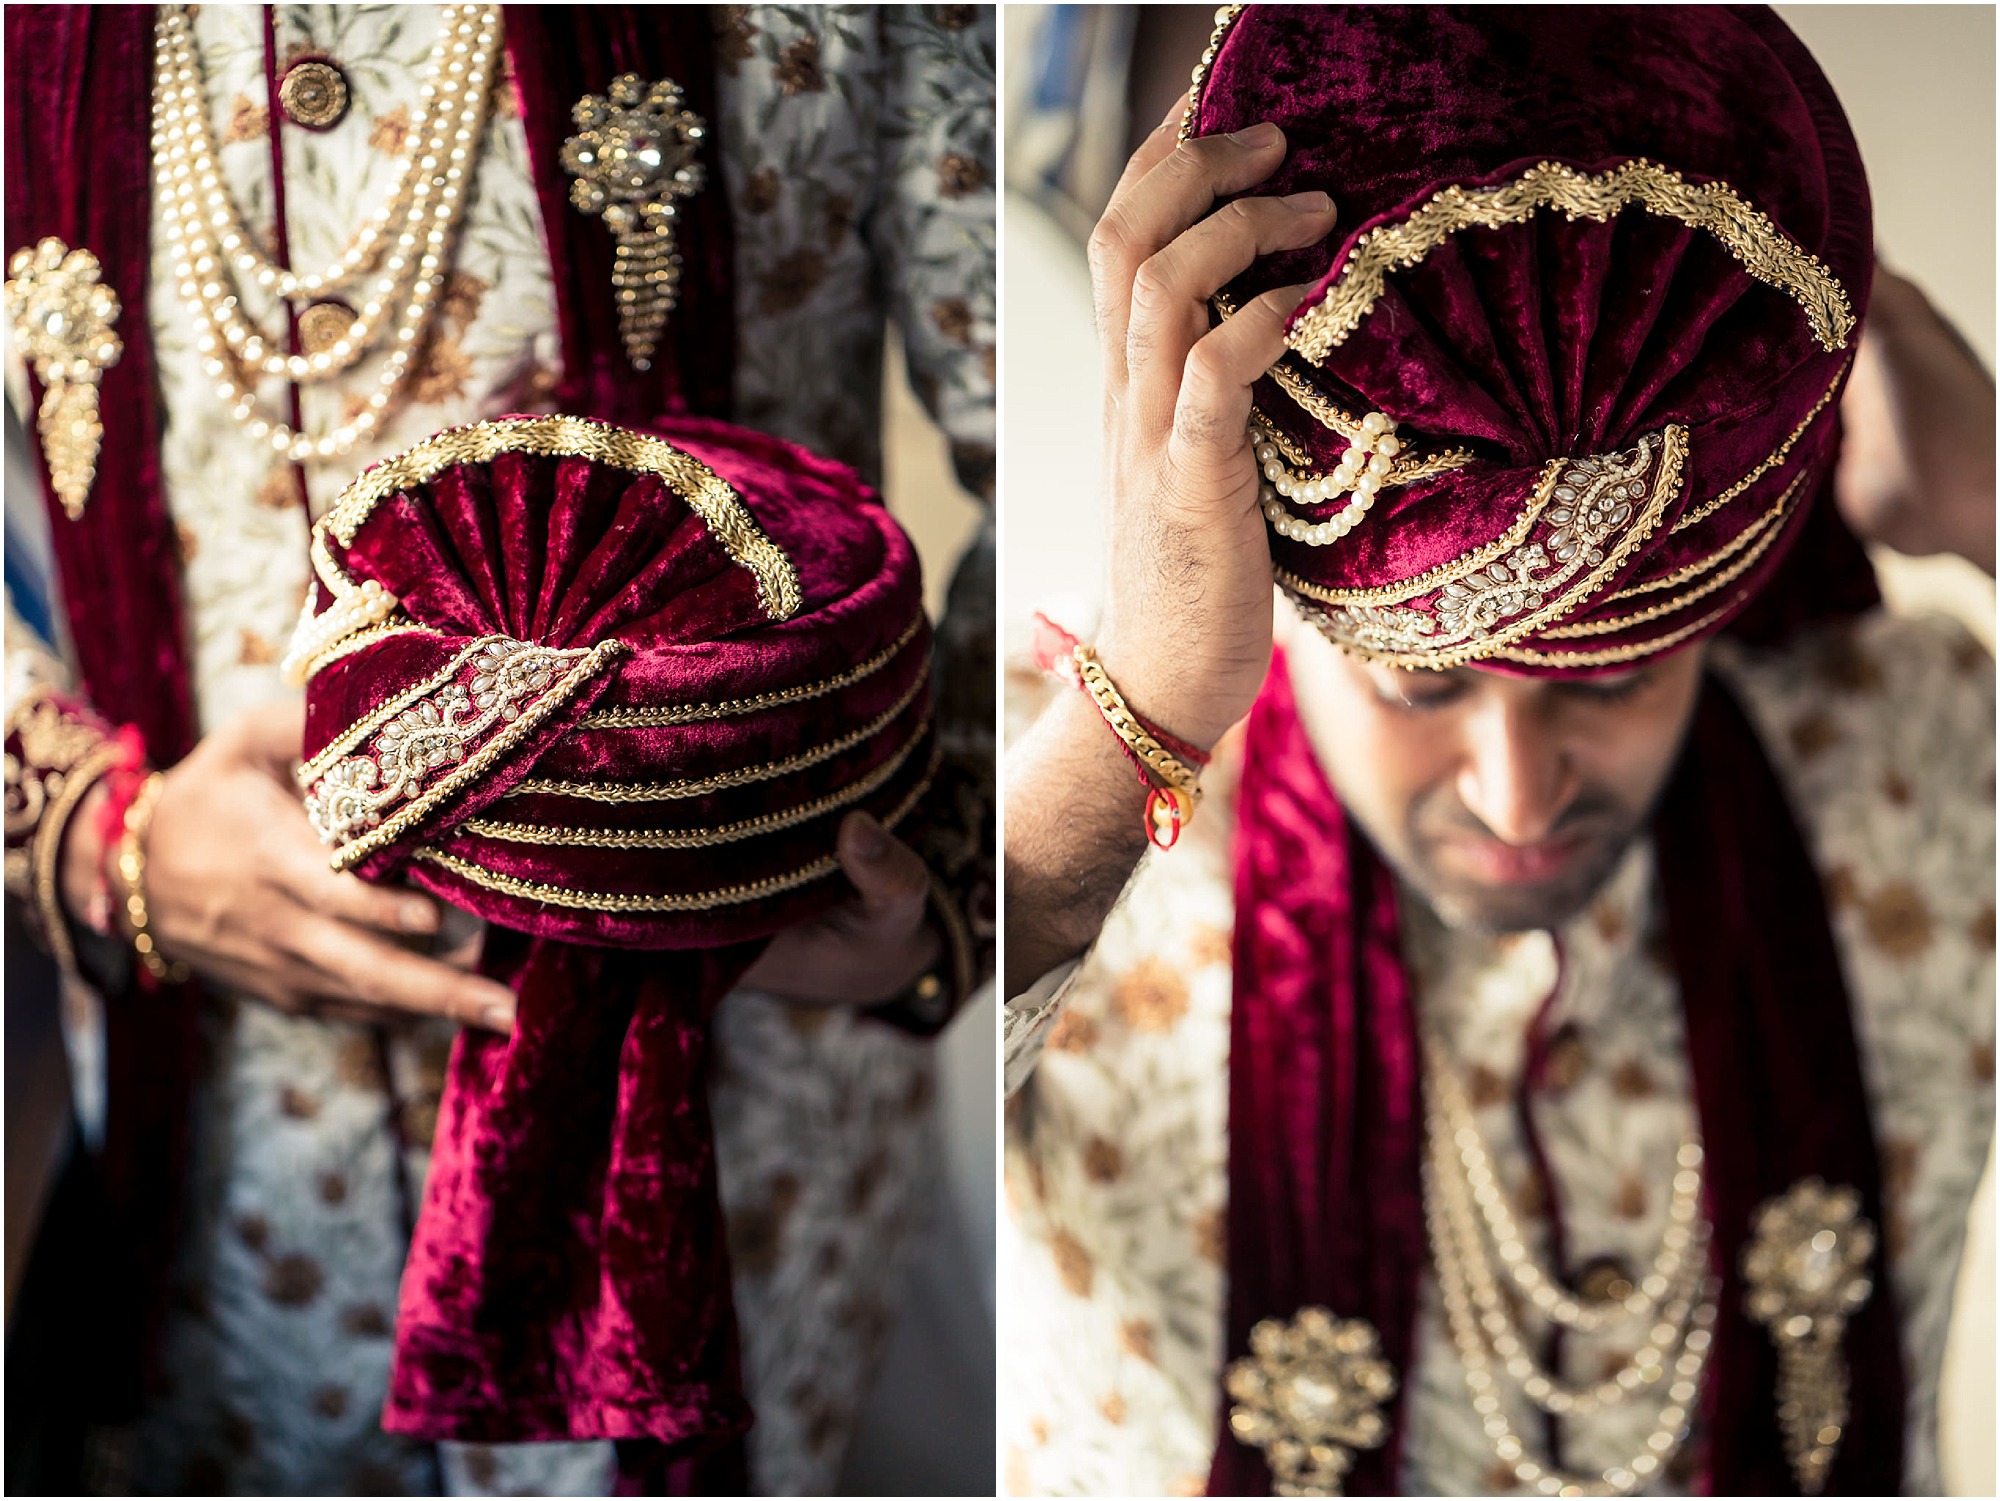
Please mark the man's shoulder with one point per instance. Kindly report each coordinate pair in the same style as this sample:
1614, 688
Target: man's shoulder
1887, 710
1882, 733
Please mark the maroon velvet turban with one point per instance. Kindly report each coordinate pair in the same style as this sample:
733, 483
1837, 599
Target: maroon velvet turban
1600, 270
1609, 319
612, 691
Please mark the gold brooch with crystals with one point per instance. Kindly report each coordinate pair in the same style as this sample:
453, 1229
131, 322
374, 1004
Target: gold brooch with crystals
62, 315
1806, 1266
636, 154
1308, 1394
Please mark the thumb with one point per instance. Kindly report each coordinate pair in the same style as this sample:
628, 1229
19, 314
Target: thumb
889, 874
275, 736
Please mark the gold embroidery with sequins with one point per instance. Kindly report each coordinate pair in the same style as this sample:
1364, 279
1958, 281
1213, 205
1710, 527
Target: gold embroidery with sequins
1586, 518
1715, 208
497, 682
709, 495
1760, 534
62, 315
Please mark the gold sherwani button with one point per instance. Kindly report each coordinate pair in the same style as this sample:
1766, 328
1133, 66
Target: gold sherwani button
322, 325
313, 93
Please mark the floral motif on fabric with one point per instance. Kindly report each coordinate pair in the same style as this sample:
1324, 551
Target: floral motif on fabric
1112, 1255
832, 130
488, 685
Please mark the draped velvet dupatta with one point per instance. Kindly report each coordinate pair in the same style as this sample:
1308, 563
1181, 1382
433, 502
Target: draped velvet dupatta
1326, 1119
79, 167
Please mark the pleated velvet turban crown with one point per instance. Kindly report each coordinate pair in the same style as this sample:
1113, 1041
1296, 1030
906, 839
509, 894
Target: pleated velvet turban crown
611, 686
612, 691
1601, 269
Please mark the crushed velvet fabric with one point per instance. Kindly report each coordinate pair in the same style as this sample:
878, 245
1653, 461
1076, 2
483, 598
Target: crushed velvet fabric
1556, 338
1325, 1097
1550, 339
567, 1277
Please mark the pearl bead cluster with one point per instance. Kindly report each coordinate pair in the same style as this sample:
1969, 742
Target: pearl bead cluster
1362, 471
1480, 1381
1676, 1294
416, 228
352, 610
1540, 1288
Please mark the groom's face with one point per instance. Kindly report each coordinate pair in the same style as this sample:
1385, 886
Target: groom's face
1506, 801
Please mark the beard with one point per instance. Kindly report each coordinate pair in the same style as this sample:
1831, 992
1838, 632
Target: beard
1597, 827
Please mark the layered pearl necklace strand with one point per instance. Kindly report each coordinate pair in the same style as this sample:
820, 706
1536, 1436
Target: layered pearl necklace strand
398, 259
1466, 1209
1361, 472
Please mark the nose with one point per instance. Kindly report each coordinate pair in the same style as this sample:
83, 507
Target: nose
1517, 777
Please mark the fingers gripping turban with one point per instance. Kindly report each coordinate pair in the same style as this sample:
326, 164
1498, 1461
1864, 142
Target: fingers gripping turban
612, 691
1599, 267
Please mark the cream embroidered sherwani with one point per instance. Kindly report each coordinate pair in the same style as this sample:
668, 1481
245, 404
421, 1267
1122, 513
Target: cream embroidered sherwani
1112, 1259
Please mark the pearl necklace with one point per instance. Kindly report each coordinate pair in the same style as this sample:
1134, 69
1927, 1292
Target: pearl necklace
1614, 1480
1362, 469
455, 98
1538, 1285
1463, 1249
1482, 1327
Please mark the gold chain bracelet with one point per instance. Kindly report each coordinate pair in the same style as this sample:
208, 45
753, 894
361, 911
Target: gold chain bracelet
1174, 788
1164, 765
132, 866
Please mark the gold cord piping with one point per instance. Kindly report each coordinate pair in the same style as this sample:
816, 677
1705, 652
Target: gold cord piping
649, 718
694, 901
649, 792
571, 837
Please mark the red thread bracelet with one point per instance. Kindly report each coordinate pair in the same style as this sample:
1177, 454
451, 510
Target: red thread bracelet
1168, 809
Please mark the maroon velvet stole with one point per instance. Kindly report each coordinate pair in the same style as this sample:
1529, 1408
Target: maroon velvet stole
1325, 1118
79, 166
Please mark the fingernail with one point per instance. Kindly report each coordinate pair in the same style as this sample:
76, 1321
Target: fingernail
1307, 203
419, 917
1263, 133
499, 1018
871, 840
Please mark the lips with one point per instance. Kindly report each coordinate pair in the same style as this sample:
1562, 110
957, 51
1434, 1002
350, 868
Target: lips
1494, 863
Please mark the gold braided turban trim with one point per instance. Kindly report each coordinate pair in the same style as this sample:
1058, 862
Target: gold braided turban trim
707, 494
1757, 244
1715, 207
377, 780
1584, 521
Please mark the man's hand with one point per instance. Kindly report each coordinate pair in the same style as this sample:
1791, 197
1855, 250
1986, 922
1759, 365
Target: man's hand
1916, 459
872, 946
1187, 624
238, 888
1186, 634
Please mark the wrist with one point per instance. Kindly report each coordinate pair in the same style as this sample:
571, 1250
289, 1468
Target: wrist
1161, 688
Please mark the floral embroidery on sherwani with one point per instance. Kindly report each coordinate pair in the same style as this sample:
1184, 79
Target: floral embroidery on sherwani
856, 147
1116, 1168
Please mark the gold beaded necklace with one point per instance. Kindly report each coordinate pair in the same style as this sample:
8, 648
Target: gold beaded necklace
404, 247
